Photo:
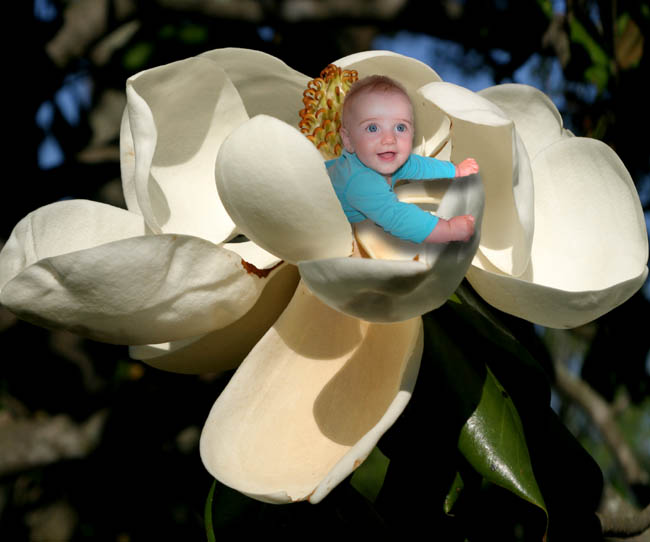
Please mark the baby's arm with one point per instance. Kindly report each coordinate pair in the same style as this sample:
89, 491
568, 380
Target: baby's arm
370, 195
458, 228
466, 167
420, 168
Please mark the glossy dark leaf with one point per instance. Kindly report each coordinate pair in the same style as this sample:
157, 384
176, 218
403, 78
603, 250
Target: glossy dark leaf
493, 442
491, 435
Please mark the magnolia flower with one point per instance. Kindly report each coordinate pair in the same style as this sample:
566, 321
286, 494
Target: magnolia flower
195, 274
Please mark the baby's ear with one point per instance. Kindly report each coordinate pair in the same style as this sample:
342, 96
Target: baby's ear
345, 137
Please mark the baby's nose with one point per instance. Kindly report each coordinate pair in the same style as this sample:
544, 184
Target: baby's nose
388, 137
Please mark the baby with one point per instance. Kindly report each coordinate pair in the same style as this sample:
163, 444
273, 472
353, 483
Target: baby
377, 132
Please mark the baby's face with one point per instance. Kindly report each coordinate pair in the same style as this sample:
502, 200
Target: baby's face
378, 127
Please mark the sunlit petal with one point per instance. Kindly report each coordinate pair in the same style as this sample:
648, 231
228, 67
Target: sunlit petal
310, 402
63, 227
536, 118
85, 267
481, 131
590, 249
383, 290
178, 115
282, 199
266, 85
127, 164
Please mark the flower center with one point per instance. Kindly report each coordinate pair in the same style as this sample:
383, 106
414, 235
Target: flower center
321, 117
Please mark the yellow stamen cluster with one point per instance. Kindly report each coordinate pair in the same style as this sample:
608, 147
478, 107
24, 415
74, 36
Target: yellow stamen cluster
321, 117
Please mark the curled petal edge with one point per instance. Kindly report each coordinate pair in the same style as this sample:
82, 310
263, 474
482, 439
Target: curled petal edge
224, 349
292, 395
391, 290
87, 267
547, 306
172, 178
283, 200
481, 130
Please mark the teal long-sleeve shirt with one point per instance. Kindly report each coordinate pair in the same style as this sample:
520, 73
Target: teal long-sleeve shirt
364, 193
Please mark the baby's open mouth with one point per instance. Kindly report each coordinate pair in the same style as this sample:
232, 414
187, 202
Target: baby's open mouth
386, 155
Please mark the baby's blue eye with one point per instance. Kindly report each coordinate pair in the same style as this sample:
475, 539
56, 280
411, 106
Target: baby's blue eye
401, 128
372, 128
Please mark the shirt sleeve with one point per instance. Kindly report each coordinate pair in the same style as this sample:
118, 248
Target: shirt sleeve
424, 167
369, 193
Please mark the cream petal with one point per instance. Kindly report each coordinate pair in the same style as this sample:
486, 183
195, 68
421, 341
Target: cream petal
408, 71
62, 227
551, 307
536, 118
85, 267
274, 184
482, 131
251, 253
391, 290
590, 249
431, 124
127, 164
266, 85
178, 116
310, 402
224, 348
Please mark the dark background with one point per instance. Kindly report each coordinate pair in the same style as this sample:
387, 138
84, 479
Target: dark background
128, 468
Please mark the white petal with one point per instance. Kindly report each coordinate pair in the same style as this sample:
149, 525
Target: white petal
274, 184
251, 253
63, 227
127, 165
389, 290
408, 71
266, 85
69, 265
178, 116
310, 402
537, 120
224, 348
482, 131
590, 249
431, 124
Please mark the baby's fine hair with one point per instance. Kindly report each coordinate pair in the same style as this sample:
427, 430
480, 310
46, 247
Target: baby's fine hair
371, 83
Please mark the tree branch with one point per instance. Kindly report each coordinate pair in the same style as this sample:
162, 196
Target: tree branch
622, 523
603, 417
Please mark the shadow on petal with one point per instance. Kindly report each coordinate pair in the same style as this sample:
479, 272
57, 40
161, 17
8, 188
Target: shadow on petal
224, 348
272, 433
355, 399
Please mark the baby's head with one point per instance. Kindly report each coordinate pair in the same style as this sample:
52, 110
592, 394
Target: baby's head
377, 123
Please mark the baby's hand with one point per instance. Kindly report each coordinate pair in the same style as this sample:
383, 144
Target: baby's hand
466, 167
458, 228
462, 227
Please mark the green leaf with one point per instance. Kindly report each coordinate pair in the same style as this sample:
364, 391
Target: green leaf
226, 508
493, 442
491, 435
527, 352
453, 494
207, 515
368, 479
